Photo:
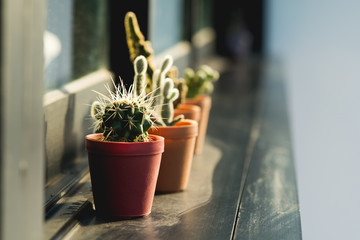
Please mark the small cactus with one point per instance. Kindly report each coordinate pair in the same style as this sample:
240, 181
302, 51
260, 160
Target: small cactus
201, 81
164, 94
125, 116
179, 83
140, 66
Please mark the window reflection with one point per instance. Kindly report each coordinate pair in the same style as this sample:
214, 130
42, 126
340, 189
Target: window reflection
59, 33
167, 22
75, 41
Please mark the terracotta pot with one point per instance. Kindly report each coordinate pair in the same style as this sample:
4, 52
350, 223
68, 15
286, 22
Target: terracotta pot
178, 154
189, 111
204, 102
123, 175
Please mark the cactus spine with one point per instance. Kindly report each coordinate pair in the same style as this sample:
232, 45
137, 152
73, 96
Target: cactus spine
125, 116
201, 81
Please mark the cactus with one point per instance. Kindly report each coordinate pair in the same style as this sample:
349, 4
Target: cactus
164, 94
125, 116
194, 83
201, 81
179, 84
138, 45
140, 66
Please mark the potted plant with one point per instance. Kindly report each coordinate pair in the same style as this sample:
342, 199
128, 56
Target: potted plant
179, 133
124, 159
190, 111
200, 86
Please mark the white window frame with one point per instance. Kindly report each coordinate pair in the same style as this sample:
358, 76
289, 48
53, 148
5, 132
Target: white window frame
22, 144
25, 108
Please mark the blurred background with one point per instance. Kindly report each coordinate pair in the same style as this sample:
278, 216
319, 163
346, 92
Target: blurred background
317, 45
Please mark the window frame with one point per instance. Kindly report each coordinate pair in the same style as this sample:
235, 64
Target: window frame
22, 28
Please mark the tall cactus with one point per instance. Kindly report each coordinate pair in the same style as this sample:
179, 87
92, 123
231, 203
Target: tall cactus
138, 45
125, 116
200, 81
164, 94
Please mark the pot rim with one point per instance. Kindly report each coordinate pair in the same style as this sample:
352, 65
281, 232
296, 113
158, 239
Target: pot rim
201, 100
185, 128
188, 106
95, 145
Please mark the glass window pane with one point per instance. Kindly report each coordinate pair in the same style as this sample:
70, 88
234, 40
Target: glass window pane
75, 40
58, 43
203, 14
90, 37
167, 24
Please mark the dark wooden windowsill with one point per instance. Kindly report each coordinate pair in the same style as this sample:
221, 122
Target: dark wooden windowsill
242, 186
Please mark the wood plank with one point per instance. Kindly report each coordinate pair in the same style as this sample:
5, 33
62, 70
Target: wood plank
269, 206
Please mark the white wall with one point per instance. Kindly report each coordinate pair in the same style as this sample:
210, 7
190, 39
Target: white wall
318, 43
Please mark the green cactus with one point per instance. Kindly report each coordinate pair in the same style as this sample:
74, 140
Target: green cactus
122, 121
201, 81
164, 94
179, 83
125, 116
140, 66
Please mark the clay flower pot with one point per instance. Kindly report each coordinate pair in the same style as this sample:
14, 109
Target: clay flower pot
204, 102
123, 175
189, 111
178, 155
